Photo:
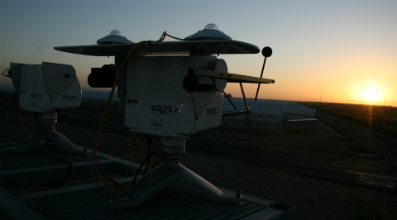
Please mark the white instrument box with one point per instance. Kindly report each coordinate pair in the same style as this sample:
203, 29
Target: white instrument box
156, 101
46, 86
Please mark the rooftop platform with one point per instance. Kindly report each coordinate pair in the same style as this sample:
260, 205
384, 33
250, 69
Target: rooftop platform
88, 201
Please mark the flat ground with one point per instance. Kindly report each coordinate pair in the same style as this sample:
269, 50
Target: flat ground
313, 198
366, 116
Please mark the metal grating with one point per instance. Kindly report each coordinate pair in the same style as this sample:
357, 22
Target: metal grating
175, 201
35, 157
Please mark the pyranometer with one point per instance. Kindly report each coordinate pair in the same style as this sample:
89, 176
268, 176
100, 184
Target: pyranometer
114, 38
210, 32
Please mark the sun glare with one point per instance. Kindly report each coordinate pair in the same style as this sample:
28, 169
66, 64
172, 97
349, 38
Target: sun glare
371, 95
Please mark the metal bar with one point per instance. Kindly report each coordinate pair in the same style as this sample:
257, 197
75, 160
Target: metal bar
257, 91
229, 100
245, 99
263, 67
259, 85
231, 78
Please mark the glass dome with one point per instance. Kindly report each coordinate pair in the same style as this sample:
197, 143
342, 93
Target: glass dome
211, 26
210, 32
115, 32
114, 38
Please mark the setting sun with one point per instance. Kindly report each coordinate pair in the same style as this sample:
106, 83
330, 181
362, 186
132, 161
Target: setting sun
370, 95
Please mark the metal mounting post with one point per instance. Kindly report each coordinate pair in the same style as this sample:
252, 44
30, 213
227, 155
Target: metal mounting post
48, 120
174, 172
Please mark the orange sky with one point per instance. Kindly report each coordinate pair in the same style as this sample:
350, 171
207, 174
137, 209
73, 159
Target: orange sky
326, 48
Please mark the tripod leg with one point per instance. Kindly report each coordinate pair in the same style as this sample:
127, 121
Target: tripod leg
197, 182
66, 144
175, 172
32, 141
159, 178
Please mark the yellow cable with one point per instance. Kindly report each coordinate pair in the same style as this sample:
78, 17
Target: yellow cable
122, 190
28, 115
93, 159
139, 141
5, 70
177, 38
23, 125
59, 158
132, 163
133, 168
117, 183
151, 163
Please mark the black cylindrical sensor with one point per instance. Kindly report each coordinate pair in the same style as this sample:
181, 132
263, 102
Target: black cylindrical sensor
193, 83
102, 77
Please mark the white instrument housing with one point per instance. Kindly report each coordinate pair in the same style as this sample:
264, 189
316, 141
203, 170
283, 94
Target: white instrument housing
156, 101
47, 86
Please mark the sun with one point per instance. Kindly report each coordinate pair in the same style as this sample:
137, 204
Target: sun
371, 96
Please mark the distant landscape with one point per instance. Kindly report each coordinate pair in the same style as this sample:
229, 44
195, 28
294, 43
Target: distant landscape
367, 116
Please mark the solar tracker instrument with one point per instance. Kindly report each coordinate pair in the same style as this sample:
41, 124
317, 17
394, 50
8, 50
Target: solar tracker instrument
172, 89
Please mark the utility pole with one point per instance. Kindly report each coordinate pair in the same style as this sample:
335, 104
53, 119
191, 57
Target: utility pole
362, 93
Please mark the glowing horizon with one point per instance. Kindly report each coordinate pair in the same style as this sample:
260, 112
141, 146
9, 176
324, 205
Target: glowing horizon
322, 48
